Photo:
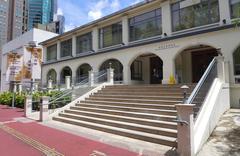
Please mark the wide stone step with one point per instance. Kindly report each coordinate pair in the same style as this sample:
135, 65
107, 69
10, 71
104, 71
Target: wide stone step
131, 109
134, 105
158, 103
149, 122
158, 139
140, 93
151, 86
134, 100
129, 114
177, 98
124, 125
144, 89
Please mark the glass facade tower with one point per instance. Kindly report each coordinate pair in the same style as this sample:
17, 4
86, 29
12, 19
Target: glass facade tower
40, 11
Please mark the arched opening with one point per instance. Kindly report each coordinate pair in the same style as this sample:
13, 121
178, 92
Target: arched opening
66, 71
52, 74
147, 69
83, 72
116, 65
192, 62
236, 63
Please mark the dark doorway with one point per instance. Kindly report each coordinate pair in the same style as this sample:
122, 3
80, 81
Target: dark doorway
200, 62
156, 70
66, 71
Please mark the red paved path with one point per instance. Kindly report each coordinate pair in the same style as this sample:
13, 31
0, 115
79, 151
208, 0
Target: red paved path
65, 143
7, 113
10, 146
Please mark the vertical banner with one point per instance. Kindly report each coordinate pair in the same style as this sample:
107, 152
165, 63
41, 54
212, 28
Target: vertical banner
14, 67
32, 62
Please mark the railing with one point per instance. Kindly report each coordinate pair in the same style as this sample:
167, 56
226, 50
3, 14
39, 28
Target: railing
199, 93
100, 77
67, 96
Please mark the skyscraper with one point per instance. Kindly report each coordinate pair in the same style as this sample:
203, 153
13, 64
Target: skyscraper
40, 11
17, 18
3, 22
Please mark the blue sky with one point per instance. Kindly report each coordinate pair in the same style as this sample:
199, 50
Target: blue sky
79, 12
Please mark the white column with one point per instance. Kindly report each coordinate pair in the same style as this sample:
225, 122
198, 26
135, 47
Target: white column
168, 70
126, 75
166, 18
125, 30
44, 54
44, 108
95, 39
91, 78
68, 82
74, 46
58, 50
110, 76
224, 10
28, 106
185, 135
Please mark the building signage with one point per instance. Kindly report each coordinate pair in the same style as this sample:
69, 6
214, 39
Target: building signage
167, 46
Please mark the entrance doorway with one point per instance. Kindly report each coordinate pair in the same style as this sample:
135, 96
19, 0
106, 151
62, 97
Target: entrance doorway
200, 62
156, 68
192, 62
147, 69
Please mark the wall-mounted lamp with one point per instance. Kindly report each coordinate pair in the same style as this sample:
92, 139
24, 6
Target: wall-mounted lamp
165, 34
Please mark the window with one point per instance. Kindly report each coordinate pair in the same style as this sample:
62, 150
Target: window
84, 43
66, 48
136, 70
236, 61
145, 25
235, 8
52, 52
111, 35
203, 13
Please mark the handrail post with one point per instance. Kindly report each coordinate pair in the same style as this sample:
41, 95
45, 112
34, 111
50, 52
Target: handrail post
110, 76
91, 78
68, 82
27, 105
185, 135
44, 108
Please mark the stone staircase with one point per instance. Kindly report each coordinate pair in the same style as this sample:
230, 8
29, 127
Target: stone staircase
144, 112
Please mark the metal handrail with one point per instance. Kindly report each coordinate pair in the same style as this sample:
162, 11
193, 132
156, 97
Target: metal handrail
201, 81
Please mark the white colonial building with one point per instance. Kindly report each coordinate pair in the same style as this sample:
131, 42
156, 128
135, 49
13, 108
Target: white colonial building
149, 42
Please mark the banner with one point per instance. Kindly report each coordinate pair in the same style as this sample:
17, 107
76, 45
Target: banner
14, 67
32, 62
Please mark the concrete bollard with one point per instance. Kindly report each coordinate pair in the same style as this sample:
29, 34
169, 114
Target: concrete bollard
68, 82
110, 75
50, 85
44, 108
28, 105
185, 136
91, 78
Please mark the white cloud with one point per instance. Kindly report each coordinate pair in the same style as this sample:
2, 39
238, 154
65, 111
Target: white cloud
115, 5
69, 27
96, 9
137, 1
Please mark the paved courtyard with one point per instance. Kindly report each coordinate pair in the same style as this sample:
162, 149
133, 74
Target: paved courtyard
225, 140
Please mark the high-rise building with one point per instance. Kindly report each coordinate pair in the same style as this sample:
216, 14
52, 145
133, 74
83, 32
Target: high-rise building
17, 18
3, 21
61, 20
40, 12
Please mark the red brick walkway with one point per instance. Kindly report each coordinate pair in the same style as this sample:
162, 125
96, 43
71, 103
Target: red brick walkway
65, 143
